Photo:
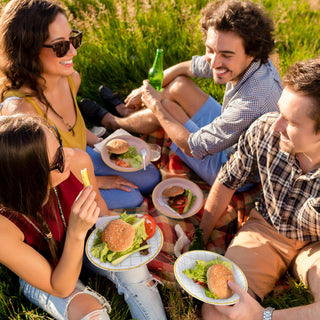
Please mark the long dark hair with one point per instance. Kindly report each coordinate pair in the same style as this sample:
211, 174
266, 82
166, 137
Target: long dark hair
24, 27
25, 169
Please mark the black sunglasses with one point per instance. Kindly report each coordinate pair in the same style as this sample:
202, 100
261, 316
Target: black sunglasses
62, 47
59, 156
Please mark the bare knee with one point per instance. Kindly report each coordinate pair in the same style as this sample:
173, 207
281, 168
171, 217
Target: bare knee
313, 279
81, 305
176, 87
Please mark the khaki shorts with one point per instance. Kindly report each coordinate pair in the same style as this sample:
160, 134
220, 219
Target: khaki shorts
264, 255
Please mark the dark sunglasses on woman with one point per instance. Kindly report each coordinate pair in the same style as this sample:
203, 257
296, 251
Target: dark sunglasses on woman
59, 156
62, 47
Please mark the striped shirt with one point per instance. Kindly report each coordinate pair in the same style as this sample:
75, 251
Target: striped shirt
290, 199
257, 93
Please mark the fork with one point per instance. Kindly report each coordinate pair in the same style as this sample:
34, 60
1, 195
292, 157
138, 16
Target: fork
164, 204
144, 153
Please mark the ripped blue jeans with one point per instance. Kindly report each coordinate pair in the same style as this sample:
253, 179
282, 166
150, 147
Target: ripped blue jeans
143, 300
58, 307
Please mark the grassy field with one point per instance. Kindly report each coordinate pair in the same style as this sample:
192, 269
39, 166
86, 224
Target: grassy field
120, 40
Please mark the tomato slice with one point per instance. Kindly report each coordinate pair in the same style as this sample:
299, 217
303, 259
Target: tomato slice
150, 225
121, 163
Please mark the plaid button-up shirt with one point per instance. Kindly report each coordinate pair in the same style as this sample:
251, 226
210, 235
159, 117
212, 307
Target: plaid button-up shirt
290, 199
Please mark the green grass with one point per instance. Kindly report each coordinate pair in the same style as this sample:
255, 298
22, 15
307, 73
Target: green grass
120, 40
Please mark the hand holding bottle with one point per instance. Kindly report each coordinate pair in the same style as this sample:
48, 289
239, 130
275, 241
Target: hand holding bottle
150, 97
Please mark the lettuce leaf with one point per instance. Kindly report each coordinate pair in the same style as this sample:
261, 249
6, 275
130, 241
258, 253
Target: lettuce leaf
132, 157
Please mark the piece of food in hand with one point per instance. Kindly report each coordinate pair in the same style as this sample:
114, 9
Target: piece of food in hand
118, 235
218, 276
123, 154
117, 146
85, 177
179, 199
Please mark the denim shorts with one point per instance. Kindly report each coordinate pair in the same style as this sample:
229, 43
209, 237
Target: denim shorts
208, 167
57, 307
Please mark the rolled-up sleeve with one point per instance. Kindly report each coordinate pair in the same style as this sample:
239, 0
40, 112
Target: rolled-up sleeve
200, 67
225, 130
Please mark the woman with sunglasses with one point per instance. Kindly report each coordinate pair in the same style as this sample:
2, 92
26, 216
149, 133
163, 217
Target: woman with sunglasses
37, 47
45, 214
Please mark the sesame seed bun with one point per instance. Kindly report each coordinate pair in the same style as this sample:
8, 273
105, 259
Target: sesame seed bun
172, 191
217, 280
117, 146
118, 235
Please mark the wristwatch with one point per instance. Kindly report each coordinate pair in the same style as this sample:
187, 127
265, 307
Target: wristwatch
267, 314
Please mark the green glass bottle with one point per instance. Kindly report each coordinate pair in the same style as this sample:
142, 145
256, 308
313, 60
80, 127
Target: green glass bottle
155, 74
197, 242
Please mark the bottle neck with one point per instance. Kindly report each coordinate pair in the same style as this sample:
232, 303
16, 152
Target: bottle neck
158, 61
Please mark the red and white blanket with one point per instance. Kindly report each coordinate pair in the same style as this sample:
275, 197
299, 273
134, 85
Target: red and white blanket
235, 214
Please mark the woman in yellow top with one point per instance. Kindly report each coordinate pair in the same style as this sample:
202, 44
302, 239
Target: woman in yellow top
37, 51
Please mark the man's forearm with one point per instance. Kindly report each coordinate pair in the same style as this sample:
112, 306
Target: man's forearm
175, 130
308, 312
218, 199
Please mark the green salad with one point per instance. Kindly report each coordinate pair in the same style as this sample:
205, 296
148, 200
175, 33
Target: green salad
132, 157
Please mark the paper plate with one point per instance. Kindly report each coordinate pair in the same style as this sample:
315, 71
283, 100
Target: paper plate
133, 141
133, 261
188, 261
186, 184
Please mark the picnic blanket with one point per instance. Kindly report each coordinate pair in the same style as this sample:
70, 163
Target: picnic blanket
170, 165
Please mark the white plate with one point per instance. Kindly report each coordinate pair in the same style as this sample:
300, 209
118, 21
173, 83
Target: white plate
184, 183
133, 141
188, 261
133, 261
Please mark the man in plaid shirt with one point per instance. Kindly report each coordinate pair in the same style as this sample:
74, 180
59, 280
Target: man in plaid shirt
283, 230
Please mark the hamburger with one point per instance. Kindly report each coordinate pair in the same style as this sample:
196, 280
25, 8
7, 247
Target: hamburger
117, 146
213, 277
118, 235
179, 199
218, 276
123, 154
120, 238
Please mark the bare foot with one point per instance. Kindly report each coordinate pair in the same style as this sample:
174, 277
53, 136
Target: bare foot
123, 110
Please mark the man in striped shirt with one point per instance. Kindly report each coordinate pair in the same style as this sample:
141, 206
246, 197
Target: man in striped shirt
283, 230
239, 39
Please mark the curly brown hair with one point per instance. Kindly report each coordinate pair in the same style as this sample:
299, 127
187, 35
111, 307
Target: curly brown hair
24, 27
247, 19
304, 78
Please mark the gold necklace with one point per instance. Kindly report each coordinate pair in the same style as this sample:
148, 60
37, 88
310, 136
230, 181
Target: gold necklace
67, 124
48, 236
60, 209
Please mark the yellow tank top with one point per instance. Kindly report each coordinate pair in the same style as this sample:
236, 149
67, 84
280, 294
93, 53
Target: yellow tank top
75, 139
